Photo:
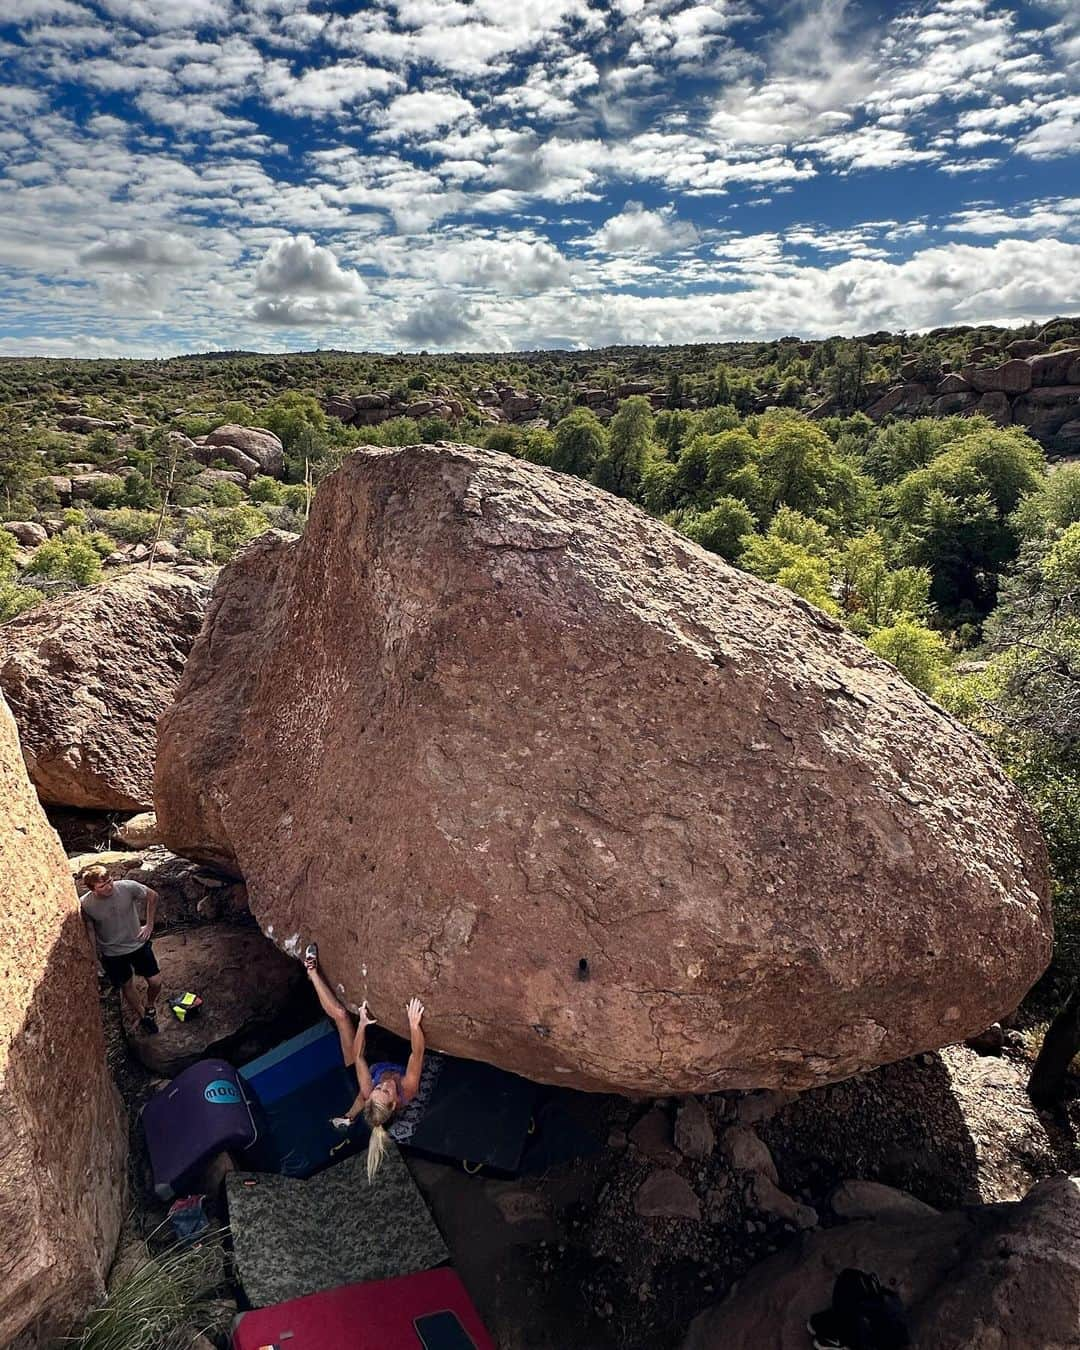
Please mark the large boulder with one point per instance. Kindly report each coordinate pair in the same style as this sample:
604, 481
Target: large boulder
28, 532
87, 676
622, 816
1011, 377
259, 444
63, 1138
1045, 412
994, 1277
1054, 367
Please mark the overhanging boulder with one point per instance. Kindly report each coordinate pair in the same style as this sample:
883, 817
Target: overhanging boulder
622, 816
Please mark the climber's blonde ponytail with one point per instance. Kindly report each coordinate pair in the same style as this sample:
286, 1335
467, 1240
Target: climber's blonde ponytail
376, 1114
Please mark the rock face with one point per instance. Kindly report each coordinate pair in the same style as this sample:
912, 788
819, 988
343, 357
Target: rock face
87, 676
995, 1277
484, 723
245, 983
62, 1136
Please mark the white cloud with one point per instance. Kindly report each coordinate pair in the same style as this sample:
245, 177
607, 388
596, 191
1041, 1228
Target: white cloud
305, 311
1058, 133
637, 230
424, 111
154, 250
516, 266
970, 165
300, 267
161, 15
1053, 216
443, 322
327, 89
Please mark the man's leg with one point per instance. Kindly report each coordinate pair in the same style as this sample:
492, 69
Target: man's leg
153, 993
130, 995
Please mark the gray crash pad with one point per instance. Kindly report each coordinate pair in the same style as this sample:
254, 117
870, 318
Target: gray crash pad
293, 1237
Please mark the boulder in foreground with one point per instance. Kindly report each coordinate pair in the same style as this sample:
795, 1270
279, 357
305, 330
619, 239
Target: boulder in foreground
63, 1139
993, 1277
622, 816
87, 676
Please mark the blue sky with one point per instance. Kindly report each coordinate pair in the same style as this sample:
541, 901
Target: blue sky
184, 175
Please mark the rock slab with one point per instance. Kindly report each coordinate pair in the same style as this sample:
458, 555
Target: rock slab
87, 676
994, 1277
63, 1139
484, 722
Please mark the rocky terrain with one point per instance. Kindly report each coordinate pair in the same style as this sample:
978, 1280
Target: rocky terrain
1034, 388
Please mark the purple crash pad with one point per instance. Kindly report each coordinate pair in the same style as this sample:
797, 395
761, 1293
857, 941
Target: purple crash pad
202, 1112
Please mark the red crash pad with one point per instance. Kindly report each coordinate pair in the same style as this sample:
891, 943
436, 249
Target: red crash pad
379, 1315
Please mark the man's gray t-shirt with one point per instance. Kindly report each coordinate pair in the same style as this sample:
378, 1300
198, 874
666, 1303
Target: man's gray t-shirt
115, 917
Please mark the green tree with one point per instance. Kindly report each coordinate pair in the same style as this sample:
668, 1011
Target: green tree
872, 594
953, 516
1027, 703
1054, 505
794, 553
658, 490
799, 468
579, 443
722, 529
919, 653
620, 467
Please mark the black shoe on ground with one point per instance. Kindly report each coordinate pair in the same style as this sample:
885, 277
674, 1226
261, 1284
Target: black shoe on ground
825, 1329
148, 1022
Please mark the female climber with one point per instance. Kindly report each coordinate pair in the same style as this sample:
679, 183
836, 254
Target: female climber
385, 1086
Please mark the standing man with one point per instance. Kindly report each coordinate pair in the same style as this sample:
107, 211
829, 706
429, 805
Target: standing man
109, 910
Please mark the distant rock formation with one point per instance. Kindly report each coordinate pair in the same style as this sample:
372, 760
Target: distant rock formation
991, 1277
622, 816
87, 676
368, 410
1039, 391
254, 446
63, 1139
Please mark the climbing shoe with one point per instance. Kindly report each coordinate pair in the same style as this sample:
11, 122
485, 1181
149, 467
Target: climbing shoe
148, 1022
311, 955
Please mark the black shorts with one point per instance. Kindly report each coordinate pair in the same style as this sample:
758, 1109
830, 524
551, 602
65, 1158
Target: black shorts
120, 969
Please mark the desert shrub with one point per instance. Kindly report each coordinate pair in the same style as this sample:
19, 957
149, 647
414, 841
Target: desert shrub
133, 527
69, 556
265, 489
225, 493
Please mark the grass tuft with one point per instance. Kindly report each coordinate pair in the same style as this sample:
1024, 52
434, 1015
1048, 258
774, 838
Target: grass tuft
162, 1303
